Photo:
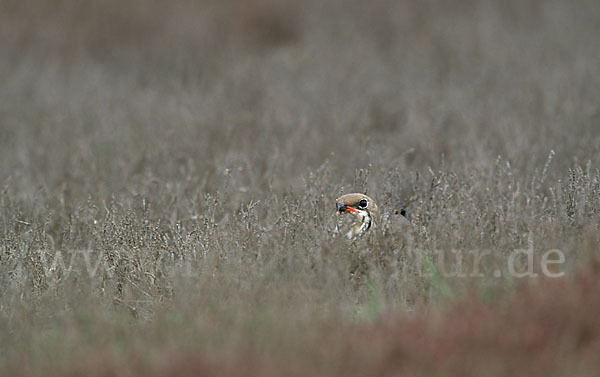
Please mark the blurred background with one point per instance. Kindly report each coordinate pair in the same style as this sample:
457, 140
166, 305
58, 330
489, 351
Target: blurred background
270, 89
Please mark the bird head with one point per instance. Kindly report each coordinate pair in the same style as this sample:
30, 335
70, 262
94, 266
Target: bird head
361, 207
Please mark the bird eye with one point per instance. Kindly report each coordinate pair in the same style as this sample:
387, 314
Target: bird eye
363, 204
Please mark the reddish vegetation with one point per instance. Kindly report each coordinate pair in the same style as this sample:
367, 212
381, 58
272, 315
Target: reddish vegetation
545, 328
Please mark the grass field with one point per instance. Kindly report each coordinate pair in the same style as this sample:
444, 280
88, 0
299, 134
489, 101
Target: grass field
169, 170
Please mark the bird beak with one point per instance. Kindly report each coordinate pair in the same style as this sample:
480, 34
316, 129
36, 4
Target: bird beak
341, 207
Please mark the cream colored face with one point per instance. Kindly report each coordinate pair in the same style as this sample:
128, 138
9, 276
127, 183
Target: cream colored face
360, 209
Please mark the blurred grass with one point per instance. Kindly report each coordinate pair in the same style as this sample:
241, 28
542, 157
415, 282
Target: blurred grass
195, 149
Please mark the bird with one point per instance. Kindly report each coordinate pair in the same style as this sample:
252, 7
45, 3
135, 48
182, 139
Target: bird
363, 210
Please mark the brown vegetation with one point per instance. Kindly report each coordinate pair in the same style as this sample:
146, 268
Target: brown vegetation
168, 175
